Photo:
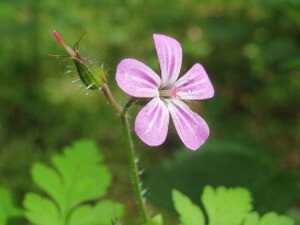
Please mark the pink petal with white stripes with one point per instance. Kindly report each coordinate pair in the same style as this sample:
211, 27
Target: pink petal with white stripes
169, 53
195, 84
151, 123
191, 128
137, 79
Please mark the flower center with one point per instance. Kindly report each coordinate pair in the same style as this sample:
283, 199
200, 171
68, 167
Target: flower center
167, 93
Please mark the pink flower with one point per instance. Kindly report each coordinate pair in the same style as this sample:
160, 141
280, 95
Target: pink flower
167, 93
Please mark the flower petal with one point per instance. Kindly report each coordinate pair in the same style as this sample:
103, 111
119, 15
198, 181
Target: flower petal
191, 128
137, 79
195, 84
151, 124
169, 53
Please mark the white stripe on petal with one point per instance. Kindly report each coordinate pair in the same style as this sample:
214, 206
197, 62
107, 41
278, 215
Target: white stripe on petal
169, 54
137, 79
151, 123
195, 84
191, 128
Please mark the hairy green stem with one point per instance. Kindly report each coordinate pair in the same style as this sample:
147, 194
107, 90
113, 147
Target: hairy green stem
132, 158
134, 169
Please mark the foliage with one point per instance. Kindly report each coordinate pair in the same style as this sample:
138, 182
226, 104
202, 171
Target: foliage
77, 177
226, 206
8, 209
267, 219
225, 162
223, 207
156, 220
188, 212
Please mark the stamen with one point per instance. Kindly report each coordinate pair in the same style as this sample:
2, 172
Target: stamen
168, 92
165, 93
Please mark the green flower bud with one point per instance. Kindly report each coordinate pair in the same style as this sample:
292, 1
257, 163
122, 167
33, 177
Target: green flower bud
91, 75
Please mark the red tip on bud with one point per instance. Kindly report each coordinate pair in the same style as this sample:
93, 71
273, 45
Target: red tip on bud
56, 35
68, 49
93, 76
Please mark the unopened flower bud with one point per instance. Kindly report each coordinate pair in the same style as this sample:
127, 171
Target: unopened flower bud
92, 75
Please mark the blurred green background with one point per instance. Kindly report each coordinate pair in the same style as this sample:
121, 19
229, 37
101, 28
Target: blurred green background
250, 49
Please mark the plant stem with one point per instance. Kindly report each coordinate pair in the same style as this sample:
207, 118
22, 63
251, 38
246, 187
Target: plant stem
134, 169
110, 98
130, 149
127, 106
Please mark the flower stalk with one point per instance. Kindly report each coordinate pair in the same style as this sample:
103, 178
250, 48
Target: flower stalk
134, 169
132, 158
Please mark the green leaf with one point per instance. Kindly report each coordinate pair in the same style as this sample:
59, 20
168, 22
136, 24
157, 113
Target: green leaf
41, 211
226, 206
156, 220
74, 180
50, 181
268, 219
7, 208
101, 214
77, 176
274, 219
251, 219
190, 214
